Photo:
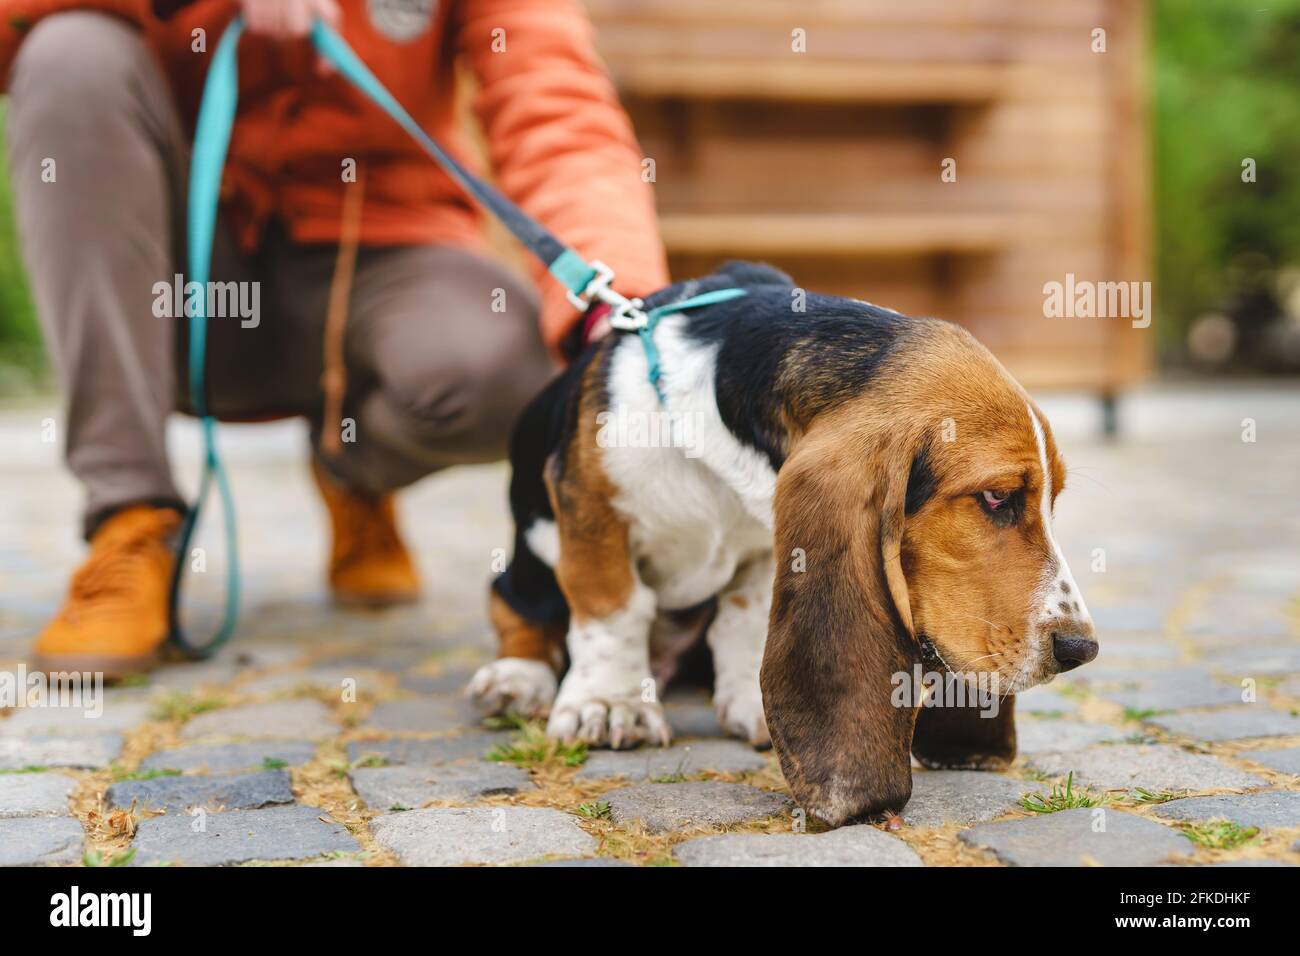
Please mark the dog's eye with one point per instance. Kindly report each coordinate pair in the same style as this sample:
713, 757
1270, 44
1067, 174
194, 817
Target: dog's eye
993, 500
1003, 508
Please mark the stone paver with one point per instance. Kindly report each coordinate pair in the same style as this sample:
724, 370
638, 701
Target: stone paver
1044, 700
1191, 690
1079, 837
1251, 863
1105, 675
468, 746
35, 794
1249, 659
847, 846
408, 787
1286, 760
1135, 617
219, 758
598, 862
1239, 723
185, 678
1154, 651
72, 752
464, 835
681, 759
423, 715
962, 797
237, 836
223, 792
40, 841
288, 719
1276, 809
448, 682
1237, 618
315, 679
692, 718
391, 657
1037, 736
110, 716
660, 807
1153, 766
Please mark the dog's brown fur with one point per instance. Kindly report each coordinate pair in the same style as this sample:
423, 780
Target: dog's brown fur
876, 578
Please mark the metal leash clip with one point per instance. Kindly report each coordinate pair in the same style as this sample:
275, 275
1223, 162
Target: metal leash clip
625, 313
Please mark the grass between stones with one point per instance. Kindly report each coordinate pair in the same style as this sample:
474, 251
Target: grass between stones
597, 810
1062, 798
1143, 795
1219, 834
532, 748
179, 707
109, 831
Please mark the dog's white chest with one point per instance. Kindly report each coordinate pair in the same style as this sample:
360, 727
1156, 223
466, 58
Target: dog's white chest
697, 502
689, 533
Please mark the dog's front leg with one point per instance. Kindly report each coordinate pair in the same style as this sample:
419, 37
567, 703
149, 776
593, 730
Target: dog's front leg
966, 738
608, 695
736, 639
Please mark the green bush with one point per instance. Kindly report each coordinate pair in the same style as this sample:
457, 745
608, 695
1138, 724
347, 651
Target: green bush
1226, 89
20, 339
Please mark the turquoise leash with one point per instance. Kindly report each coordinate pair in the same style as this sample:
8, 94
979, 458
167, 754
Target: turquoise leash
211, 140
585, 282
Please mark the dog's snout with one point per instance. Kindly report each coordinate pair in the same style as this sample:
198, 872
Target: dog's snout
1072, 648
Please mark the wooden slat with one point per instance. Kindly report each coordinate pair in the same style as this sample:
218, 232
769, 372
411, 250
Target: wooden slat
759, 234
811, 80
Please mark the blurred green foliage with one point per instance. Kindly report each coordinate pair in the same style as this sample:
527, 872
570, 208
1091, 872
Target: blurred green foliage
20, 339
1226, 79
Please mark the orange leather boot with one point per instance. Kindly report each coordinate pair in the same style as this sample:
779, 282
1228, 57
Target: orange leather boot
115, 617
369, 564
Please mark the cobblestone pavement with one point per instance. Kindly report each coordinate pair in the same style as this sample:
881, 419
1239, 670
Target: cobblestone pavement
340, 739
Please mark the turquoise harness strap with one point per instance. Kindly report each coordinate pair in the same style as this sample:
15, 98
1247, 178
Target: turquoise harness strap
211, 140
647, 331
585, 281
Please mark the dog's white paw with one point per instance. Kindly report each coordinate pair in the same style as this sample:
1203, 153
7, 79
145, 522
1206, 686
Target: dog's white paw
513, 684
740, 714
618, 722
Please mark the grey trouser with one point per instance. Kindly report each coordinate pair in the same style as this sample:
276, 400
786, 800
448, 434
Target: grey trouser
436, 377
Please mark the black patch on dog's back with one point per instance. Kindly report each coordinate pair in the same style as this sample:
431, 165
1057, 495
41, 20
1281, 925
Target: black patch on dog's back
777, 366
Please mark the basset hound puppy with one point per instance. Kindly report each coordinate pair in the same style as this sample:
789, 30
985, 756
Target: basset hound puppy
840, 493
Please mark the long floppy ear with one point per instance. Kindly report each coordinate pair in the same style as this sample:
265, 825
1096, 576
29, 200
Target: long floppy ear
839, 632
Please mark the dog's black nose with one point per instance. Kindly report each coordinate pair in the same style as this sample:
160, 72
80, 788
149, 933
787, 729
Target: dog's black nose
1072, 649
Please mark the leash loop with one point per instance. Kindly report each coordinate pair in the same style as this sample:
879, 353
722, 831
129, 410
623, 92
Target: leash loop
211, 143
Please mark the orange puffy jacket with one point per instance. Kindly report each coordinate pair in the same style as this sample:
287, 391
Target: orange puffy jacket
559, 144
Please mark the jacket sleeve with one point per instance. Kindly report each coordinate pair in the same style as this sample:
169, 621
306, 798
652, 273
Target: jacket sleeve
560, 144
17, 17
